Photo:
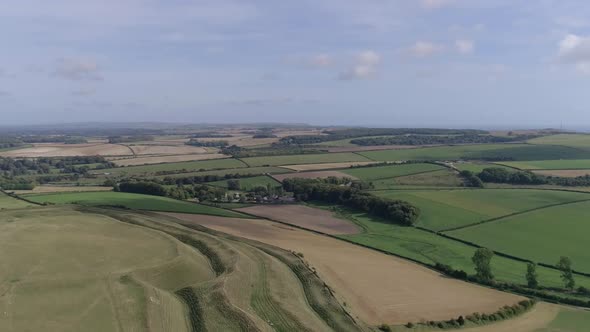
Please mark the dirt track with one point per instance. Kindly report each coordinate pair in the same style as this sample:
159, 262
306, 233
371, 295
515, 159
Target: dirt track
377, 288
304, 216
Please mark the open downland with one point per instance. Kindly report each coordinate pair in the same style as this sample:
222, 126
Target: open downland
7, 202
304, 216
376, 287
64, 150
542, 235
390, 171
131, 201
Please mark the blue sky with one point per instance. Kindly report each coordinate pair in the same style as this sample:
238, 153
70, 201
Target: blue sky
445, 63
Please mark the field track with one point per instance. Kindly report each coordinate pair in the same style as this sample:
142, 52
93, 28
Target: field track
376, 287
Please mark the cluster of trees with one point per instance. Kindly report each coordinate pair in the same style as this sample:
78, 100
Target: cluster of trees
53, 139
436, 139
16, 167
503, 175
396, 211
470, 179
10, 142
211, 144
276, 149
130, 139
7, 183
202, 178
201, 192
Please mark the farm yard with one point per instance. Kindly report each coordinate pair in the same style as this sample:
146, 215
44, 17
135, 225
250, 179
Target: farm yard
226, 216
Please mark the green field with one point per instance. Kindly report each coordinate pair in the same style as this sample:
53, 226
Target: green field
474, 152
541, 236
572, 140
570, 320
132, 201
476, 167
249, 183
444, 178
7, 202
390, 171
429, 248
303, 159
446, 209
550, 164
185, 166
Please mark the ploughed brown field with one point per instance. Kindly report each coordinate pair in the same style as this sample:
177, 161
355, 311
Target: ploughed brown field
312, 175
166, 159
377, 288
567, 173
303, 216
318, 167
65, 150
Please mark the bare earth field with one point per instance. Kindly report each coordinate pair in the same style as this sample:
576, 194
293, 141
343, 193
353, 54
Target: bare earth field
318, 167
63, 150
45, 189
167, 159
312, 175
166, 149
378, 288
304, 216
567, 173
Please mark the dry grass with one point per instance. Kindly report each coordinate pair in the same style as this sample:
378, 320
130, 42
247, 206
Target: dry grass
567, 173
304, 216
377, 288
317, 167
46, 189
166, 159
312, 175
63, 150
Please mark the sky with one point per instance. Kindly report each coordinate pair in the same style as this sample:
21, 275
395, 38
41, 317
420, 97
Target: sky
394, 63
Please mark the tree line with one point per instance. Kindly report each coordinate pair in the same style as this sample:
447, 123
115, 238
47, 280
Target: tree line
503, 175
209, 144
395, 211
437, 139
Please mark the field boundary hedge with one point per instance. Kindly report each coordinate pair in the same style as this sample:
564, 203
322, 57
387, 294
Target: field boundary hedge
15, 196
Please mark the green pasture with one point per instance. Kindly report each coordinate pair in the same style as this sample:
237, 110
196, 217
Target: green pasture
571, 140
7, 202
390, 171
433, 179
299, 159
549, 164
476, 167
185, 166
249, 183
222, 172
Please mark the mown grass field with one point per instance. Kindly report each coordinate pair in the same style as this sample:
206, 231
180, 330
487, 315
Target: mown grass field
541, 236
303, 159
7, 202
568, 319
443, 178
390, 171
474, 152
170, 167
445, 209
249, 183
550, 164
429, 248
572, 140
132, 201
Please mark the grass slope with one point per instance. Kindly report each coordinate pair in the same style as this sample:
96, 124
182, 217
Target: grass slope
303, 159
550, 164
7, 202
132, 201
390, 171
473, 152
542, 235
445, 209
441, 178
572, 140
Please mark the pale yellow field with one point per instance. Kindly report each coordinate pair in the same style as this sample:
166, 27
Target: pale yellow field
167, 159
378, 288
64, 150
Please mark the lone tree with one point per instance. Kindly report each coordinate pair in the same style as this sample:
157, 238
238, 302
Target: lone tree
482, 259
531, 275
565, 265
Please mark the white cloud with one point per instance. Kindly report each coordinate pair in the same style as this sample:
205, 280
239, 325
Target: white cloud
423, 49
435, 4
78, 70
365, 66
575, 50
465, 46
